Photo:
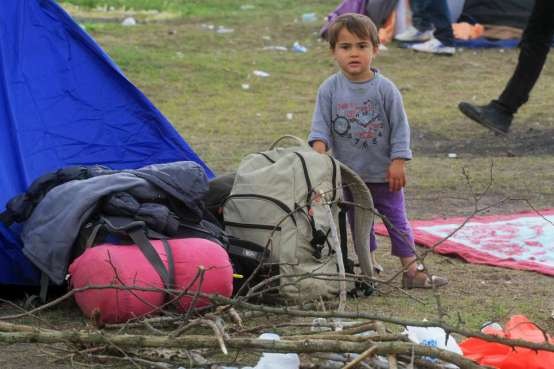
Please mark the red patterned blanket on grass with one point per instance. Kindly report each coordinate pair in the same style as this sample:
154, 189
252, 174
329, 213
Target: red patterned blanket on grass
518, 241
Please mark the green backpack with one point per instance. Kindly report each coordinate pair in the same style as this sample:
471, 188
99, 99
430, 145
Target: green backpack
290, 199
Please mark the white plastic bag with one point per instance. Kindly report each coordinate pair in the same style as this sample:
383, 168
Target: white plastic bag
277, 361
433, 337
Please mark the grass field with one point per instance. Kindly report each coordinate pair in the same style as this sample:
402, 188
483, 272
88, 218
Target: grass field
194, 75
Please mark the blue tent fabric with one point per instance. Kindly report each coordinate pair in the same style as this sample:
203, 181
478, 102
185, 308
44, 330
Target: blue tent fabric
15, 268
483, 43
63, 101
477, 43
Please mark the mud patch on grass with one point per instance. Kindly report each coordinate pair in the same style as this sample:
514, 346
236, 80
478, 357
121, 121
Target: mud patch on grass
521, 141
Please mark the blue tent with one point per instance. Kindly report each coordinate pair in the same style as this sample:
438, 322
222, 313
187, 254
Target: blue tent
63, 102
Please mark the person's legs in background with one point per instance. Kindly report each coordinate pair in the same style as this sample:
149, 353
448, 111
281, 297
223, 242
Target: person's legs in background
422, 28
440, 16
420, 16
534, 47
438, 13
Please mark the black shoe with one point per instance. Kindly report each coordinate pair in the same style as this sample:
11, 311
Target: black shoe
488, 116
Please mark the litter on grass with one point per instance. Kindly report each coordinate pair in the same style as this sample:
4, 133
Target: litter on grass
296, 47
275, 48
309, 17
129, 21
261, 73
222, 29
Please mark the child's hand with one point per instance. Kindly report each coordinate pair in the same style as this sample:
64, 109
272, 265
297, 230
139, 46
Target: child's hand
396, 175
319, 146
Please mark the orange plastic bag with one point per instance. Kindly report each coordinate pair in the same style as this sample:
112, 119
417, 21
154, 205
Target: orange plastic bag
504, 357
466, 31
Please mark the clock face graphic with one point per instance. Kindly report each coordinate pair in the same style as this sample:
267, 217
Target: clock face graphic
341, 126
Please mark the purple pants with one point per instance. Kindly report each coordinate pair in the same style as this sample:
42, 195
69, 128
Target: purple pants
391, 205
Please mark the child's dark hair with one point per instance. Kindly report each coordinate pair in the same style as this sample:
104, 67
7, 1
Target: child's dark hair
357, 24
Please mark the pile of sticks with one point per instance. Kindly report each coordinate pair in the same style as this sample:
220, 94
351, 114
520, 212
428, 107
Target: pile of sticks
219, 336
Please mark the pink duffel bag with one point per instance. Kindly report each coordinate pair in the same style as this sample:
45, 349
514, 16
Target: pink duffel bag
125, 265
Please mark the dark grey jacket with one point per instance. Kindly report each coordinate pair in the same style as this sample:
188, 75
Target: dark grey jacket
50, 232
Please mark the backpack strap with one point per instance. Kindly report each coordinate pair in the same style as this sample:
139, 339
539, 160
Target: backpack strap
139, 237
44, 283
245, 249
267, 157
334, 177
307, 177
93, 235
348, 264
318, 236
170, 263
295, 140
137, 232
363, 209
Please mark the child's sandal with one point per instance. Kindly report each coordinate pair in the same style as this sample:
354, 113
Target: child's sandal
422, 280
377, 268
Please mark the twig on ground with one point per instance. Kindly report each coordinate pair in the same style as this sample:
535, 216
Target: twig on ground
364, 355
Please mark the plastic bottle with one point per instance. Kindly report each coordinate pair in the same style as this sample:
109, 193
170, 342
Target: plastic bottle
309, 17
297, 48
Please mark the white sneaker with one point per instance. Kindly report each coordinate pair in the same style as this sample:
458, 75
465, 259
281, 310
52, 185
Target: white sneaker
413, 35
434, 46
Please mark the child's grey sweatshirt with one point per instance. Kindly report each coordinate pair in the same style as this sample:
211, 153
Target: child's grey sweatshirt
363, 123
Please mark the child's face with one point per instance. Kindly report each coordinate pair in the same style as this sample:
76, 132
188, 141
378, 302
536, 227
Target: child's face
354, 55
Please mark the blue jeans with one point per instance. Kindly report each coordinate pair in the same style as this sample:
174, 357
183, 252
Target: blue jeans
429, 13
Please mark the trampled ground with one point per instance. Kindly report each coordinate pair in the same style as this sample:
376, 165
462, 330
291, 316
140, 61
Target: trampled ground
195, 76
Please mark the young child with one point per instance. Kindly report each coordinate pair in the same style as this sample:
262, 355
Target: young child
359, 115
